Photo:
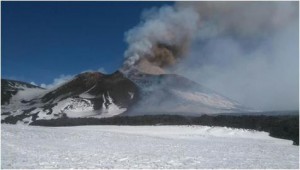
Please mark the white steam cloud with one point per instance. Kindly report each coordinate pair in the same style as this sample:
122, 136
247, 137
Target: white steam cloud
248, 51
57, 81
61, 79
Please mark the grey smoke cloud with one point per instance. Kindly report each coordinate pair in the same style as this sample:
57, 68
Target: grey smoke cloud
243, 19
248, 51
162, 37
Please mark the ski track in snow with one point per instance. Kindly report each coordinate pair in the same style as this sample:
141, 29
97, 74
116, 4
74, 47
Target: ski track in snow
143, 147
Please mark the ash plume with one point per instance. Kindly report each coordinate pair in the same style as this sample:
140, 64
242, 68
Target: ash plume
162, 37
248, 51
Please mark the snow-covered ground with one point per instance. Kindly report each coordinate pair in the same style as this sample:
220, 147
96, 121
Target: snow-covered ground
143, 147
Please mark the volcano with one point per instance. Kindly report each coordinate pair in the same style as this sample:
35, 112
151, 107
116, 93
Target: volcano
97, 95
171, 93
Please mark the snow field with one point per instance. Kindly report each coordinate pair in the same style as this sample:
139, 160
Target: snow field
143, 147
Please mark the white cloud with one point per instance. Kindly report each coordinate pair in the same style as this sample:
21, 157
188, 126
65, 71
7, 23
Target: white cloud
102, 70
33, 83
57, 81
64, 78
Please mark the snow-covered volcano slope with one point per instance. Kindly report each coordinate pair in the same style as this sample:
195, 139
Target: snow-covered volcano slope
143, 147
9, 88
170, 93
94, 94
87, 94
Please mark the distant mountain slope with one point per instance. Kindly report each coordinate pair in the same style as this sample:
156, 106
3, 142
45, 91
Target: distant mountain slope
171, 93
86, 95
12, 87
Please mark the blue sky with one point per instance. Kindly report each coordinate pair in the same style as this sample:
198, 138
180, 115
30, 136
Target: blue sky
42, 41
